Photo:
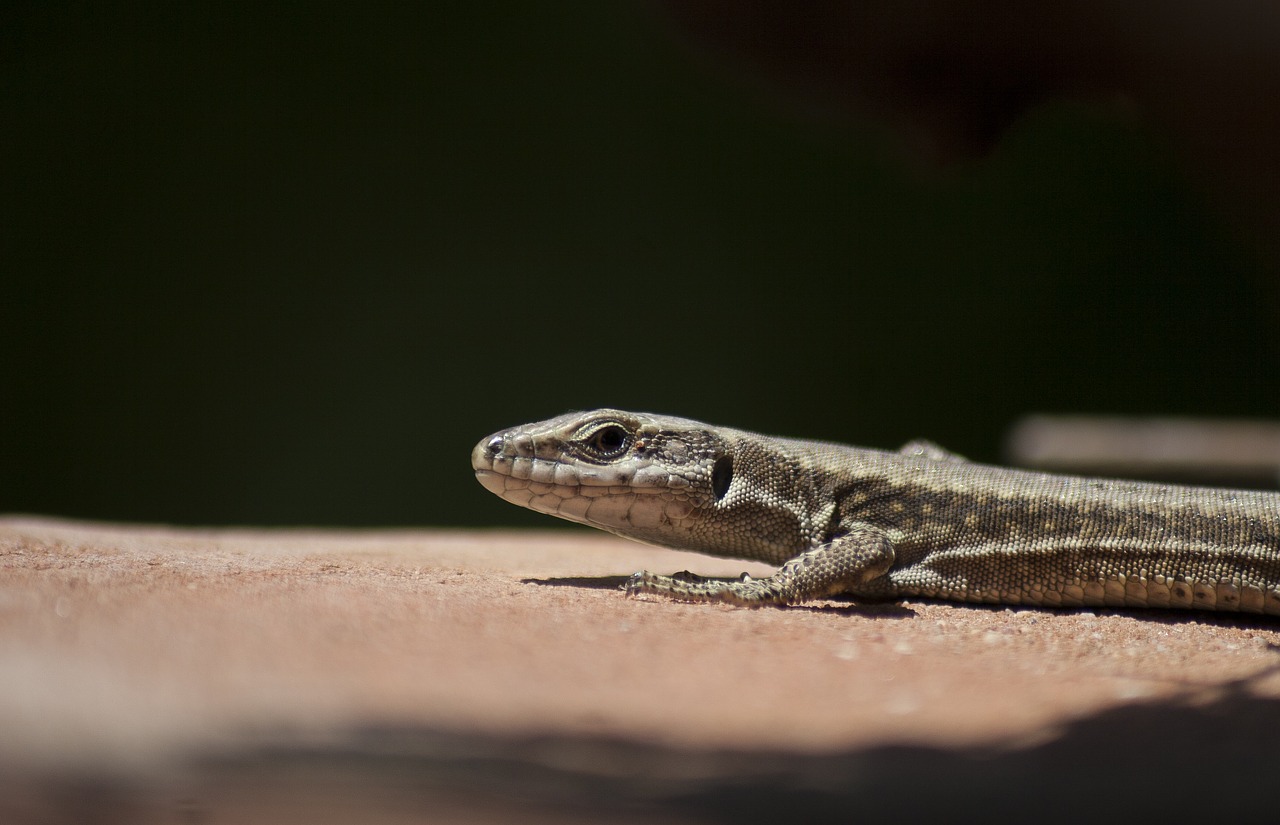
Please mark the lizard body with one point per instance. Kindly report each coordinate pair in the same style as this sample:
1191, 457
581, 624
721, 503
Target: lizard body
885, 525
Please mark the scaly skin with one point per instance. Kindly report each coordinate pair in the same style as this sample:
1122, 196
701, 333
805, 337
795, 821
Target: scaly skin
884, 525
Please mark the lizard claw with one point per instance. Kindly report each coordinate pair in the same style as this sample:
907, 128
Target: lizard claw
636, 583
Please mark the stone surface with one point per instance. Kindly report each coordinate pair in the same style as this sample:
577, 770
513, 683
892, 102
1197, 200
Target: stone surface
151, 674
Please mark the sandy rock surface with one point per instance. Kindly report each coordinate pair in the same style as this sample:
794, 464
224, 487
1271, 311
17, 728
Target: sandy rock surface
173, 675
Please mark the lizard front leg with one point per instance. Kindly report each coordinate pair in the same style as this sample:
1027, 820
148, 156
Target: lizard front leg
851, 559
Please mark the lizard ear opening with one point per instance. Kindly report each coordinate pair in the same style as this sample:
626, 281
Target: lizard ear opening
721, 476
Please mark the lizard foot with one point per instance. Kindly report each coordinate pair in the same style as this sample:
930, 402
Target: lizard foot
846, 563
689, 587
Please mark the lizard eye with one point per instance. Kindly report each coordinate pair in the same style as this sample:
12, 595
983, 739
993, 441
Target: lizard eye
610, 441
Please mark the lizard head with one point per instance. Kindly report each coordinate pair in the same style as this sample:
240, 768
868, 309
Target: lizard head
642, 476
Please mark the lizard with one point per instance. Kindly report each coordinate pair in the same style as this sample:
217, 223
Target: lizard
878, 525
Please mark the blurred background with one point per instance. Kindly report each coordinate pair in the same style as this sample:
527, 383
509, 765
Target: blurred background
279, 264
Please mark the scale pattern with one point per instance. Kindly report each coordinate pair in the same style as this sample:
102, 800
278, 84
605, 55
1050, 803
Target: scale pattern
885, 525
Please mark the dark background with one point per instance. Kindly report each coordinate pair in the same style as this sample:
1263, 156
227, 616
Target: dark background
286, 264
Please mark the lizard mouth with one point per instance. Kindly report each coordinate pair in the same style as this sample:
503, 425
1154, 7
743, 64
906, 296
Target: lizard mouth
499, 465
493, 482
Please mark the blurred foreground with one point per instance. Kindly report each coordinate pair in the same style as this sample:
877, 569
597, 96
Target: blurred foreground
157, 675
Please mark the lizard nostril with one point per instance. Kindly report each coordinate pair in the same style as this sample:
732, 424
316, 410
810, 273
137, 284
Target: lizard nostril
495, 444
